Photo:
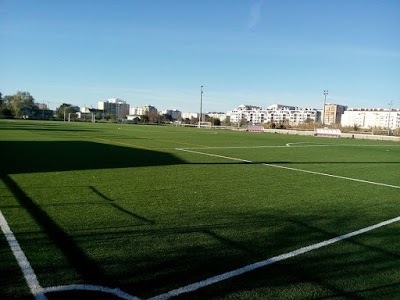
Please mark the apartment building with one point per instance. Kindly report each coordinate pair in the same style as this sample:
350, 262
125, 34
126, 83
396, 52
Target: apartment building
332, 113
371, 118
114, 106
276, 113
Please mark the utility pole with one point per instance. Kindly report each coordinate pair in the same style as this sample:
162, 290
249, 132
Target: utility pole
323, 115
390, 109
201, 105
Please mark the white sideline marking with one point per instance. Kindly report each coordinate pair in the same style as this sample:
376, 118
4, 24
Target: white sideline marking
292, 169
297, 145
334, 176
307, 144
23, 262
215, 279
88, 287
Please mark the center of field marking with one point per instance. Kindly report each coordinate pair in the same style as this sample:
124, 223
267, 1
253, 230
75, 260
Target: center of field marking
224, 276
289, 168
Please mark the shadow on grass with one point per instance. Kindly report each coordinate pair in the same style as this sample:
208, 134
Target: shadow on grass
82, 263
218, 247
31, 157
121, 209
40, 126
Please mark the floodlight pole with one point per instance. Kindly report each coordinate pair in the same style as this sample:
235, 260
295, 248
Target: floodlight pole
323, 115
201, 105
390, 109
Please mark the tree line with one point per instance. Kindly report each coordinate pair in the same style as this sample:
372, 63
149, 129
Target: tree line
22, 105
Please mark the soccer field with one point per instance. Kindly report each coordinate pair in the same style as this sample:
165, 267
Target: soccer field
136, 212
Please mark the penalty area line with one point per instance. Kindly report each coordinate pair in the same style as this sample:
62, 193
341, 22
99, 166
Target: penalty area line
224, 276
291, 169
26, 268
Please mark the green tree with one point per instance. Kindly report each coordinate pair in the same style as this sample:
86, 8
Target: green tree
20, 100
99, 116
64, 109
144, 119
216, 122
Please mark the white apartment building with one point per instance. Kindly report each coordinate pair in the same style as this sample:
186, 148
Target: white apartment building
114, 106
217, 115
275, 113
189, 115
371, 118
142, 110
174, 113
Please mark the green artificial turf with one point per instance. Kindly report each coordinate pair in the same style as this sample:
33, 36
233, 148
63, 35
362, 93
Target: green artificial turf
119, 205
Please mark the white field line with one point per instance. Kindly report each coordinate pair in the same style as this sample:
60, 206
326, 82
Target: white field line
243, 147
93, 288
26, 268
293, 169
37, 291
297, 145
224, 276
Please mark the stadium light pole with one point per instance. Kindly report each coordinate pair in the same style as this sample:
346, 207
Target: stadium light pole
390, 109
201, 104
323, 115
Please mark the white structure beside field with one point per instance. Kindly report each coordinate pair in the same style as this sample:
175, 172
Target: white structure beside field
371, 118
275, 113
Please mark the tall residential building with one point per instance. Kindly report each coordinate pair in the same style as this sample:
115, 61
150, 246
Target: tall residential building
114, 106
371, 118
332, 113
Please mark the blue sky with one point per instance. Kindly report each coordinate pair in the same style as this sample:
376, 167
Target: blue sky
160, 52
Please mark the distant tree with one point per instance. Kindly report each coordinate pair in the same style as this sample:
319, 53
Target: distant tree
227, 121
5, 113
194, 120
64, 109
144, 119
186, 121
99, 116
135, 120
20, 100
216, 122
153, 116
